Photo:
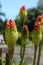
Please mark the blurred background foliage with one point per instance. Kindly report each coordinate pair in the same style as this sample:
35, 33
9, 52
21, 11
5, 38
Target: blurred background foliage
31, 18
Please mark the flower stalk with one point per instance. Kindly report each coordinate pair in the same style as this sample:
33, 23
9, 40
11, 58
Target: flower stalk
35, 52
39, 53
22, 56
9, 56
0, 56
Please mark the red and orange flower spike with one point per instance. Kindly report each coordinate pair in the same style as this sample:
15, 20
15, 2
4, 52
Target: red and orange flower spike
37, 26
11, 33
37, 34
40, 18
11, 36
23, 12
22, 8
11, 24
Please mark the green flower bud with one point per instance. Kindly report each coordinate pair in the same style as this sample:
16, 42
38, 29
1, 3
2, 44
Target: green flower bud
36, 37
37, 34
25, 34
23, 12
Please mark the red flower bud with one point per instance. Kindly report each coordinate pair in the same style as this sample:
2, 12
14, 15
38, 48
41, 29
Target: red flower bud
25, 29
40, 18
23, 12
23, 8
37, 26
11, 24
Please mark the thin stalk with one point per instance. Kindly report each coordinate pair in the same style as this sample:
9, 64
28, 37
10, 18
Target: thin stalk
0, 62
21, 27
8, 60
9, 57
35, 50
39, 53
0, 56
21, 51
22, 57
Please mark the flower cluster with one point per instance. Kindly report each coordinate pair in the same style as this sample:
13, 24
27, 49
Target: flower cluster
11, 32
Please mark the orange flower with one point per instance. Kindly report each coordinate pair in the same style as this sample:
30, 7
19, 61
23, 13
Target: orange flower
11, 24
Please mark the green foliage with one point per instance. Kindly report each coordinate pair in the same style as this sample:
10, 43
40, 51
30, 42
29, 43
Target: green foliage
40, 4
19, 42
2, 14
2, 24
18, 23
31, 17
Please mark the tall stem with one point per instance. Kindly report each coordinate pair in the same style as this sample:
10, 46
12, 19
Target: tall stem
22, 57
9, 56
35, 50
8, 60
21, 50
21, 27
39, 53
0, 56
22, 23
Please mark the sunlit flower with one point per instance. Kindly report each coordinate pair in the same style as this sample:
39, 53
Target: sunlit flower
10, 24
40, 18
11, 33
37, 26
37, 34
23, 12
23, 8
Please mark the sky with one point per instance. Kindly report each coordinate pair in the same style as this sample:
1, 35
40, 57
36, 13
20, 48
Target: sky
12, 7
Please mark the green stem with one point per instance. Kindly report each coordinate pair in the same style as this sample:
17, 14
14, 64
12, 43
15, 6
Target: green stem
39, 54
22, 57
22, 24
21, 50
35, 50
